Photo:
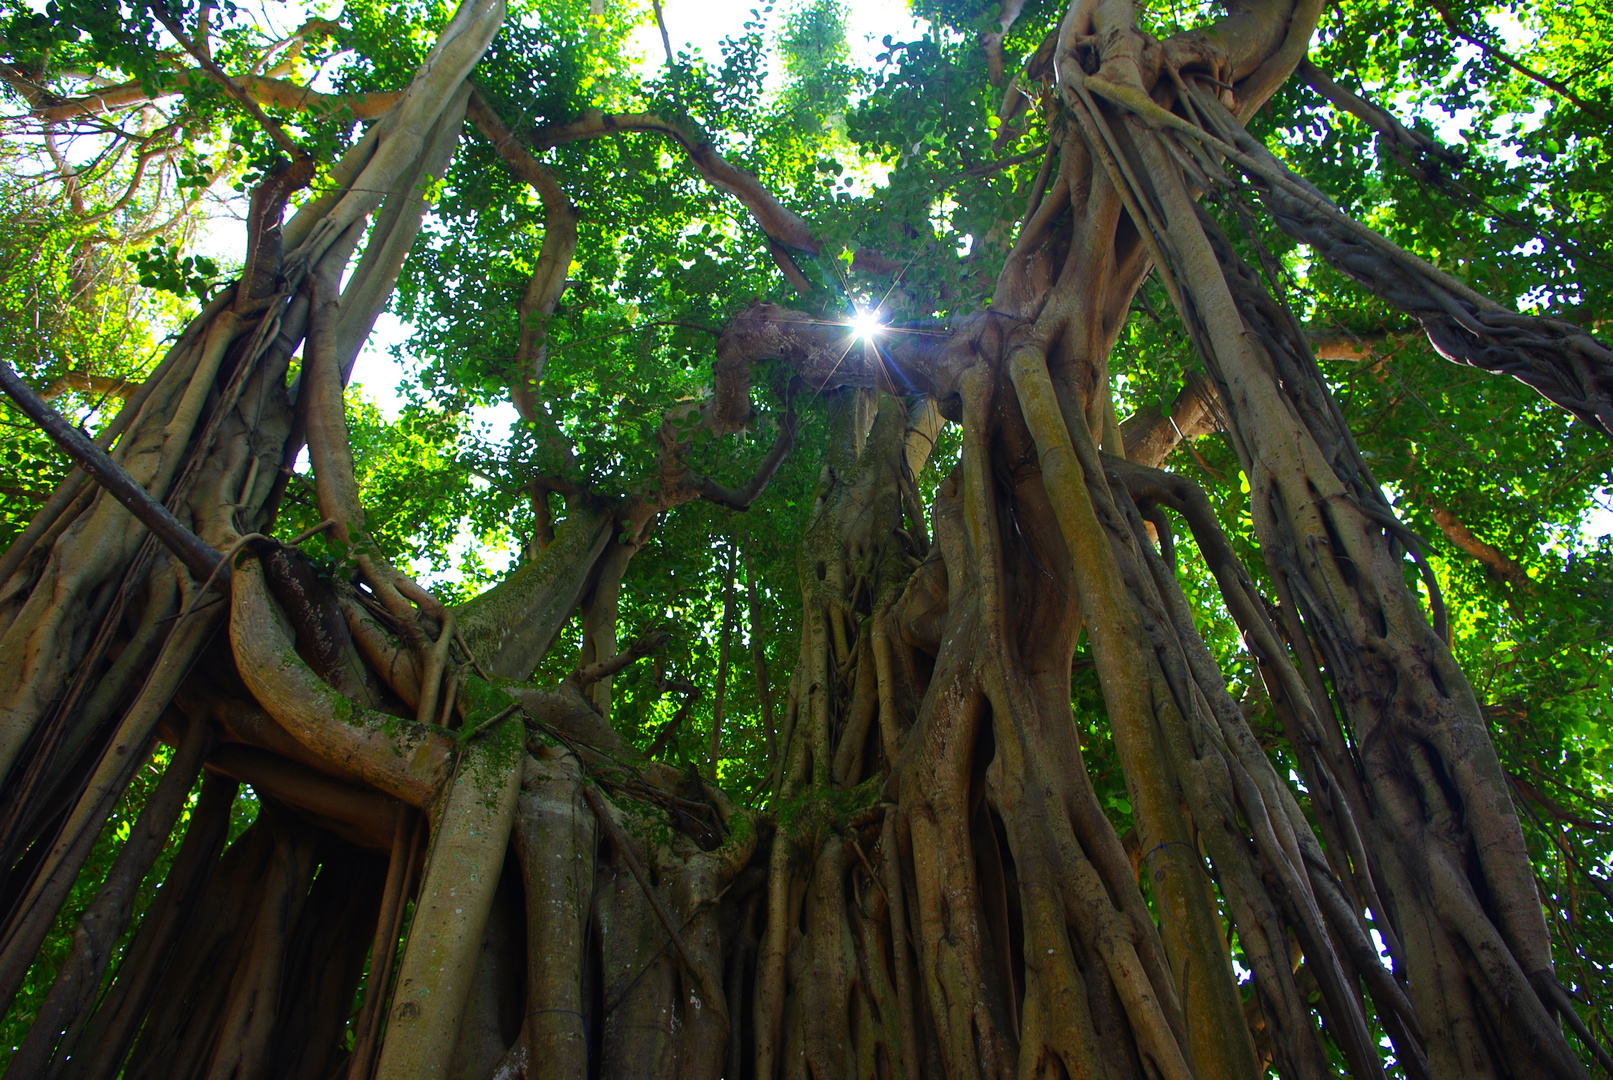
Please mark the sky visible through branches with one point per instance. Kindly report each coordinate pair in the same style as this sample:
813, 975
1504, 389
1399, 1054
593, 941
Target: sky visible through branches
694, 25
384, 372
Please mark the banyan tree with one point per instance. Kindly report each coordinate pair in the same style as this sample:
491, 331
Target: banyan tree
1000, 739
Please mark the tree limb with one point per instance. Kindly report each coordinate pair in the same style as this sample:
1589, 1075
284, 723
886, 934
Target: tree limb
1151, 434
1497, 566
779, 223
669, 730
199, 557
644, 646
281, 93
740, 498
1380, 121
1561, 361
548, 280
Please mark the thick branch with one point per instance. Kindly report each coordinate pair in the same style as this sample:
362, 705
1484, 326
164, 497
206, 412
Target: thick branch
369, 817
1430, 161
406, 761
992, 41
1152, 434
100, 385
1342, 345
280, 93
1563, 362
512, 625
1496, 564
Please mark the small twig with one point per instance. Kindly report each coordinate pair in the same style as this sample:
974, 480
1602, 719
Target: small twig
296, 541
465, 648
644, 646
868, 866
614, 831
621, 996
502, 714
666, 39
664, 737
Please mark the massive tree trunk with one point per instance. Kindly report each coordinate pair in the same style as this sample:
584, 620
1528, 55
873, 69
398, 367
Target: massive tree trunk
936, 888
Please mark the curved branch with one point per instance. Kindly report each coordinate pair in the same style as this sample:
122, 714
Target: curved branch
740, 498
405, 760
554, 257
781, 224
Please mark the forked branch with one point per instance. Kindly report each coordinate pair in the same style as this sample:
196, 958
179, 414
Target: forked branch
231, 87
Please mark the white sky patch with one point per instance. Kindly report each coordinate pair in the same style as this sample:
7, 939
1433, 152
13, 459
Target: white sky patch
1599, 522
1448, 126
377, 373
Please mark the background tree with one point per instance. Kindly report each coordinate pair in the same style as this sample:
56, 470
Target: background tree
829, 376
